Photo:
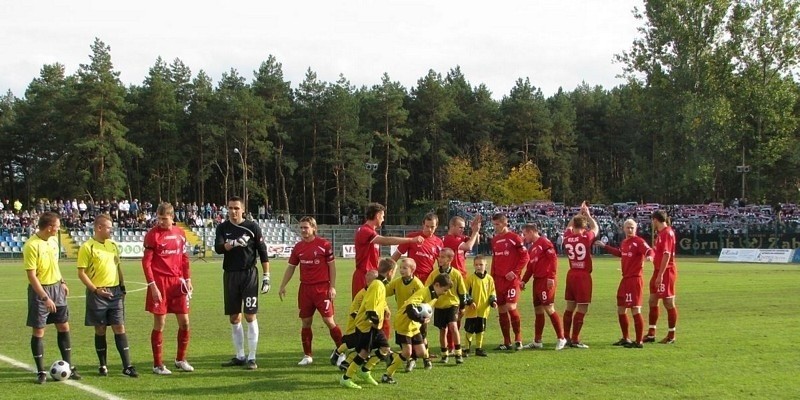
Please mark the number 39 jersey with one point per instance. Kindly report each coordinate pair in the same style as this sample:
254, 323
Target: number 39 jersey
578, 248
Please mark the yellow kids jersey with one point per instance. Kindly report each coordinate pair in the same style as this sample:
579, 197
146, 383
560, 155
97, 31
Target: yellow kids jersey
42, 256
353, 311
480, 289
403, 324
374, 302
453, 295
402, 289
101, 261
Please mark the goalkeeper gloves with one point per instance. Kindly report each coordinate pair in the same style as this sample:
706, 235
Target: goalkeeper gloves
265, 285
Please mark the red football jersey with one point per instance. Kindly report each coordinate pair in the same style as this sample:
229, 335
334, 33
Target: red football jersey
665, 247
579, 249
165, 253
313, 258
508, 255
454, 242
633, 251
543, 261
424, 254
367, 253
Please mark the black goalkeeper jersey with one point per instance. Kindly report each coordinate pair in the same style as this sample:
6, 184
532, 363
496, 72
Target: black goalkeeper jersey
240, 258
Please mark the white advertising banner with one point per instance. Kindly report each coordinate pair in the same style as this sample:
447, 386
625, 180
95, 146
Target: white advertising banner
136, 249
279, 250
756, 255
738, 255
349, 251
782, 256
131, 249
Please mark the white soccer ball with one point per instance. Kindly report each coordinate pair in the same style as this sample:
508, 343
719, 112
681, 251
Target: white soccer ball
425, 310
60, 370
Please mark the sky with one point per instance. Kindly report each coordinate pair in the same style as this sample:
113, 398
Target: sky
555, 43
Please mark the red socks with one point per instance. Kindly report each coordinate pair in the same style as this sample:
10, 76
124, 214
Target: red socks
577, 324
638, 326
538, 327
567, 323
672, 320
516, 324
387, 328
183, 344
336, 335
505, 325
155, 343
653, 320
556, 321
306, 335
623, 325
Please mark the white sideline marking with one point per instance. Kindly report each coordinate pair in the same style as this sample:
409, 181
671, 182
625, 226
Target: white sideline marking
144, 287
81, 386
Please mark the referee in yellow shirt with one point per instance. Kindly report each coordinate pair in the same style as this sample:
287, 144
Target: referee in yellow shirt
99, 270
47, 293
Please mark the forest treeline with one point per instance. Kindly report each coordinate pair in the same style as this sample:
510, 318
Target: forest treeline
711, 87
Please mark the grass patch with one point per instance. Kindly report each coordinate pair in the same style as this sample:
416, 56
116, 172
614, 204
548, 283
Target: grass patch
735, 339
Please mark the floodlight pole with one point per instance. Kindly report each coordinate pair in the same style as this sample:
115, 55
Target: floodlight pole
244, 177
743, 169
371, 167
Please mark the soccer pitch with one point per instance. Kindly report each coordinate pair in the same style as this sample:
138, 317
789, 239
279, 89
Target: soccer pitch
736, 337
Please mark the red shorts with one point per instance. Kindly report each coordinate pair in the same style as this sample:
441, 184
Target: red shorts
507, 291
629, 293
314, 297
542, 296
173, 296
667, 288
579, 287
359, 281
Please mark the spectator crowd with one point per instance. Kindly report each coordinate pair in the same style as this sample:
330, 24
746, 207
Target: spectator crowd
715, 218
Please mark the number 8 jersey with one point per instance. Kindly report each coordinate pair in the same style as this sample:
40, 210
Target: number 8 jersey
578, 248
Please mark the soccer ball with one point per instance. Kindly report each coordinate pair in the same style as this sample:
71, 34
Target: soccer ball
425, 310
60, 370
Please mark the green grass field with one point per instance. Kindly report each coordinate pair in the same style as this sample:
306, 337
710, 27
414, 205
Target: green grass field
737, 338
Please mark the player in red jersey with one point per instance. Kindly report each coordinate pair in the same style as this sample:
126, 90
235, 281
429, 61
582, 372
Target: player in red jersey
543, 267
317, 290
460, 243
423, 253
368, 242
662, 283
169, 285
578, 238
509, 257
633, 251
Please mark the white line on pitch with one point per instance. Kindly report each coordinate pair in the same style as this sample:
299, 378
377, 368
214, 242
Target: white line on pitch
81, 297
86, 388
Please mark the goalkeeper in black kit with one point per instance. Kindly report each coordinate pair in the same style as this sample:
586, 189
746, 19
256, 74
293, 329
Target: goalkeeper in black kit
239, 241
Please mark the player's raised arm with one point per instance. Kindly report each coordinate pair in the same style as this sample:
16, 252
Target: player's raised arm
475, 231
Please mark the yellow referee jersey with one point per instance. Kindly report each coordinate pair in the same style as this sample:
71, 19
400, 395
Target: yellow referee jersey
101, 262
42, 256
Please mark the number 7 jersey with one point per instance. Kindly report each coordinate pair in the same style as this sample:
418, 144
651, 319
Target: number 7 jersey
578, 248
